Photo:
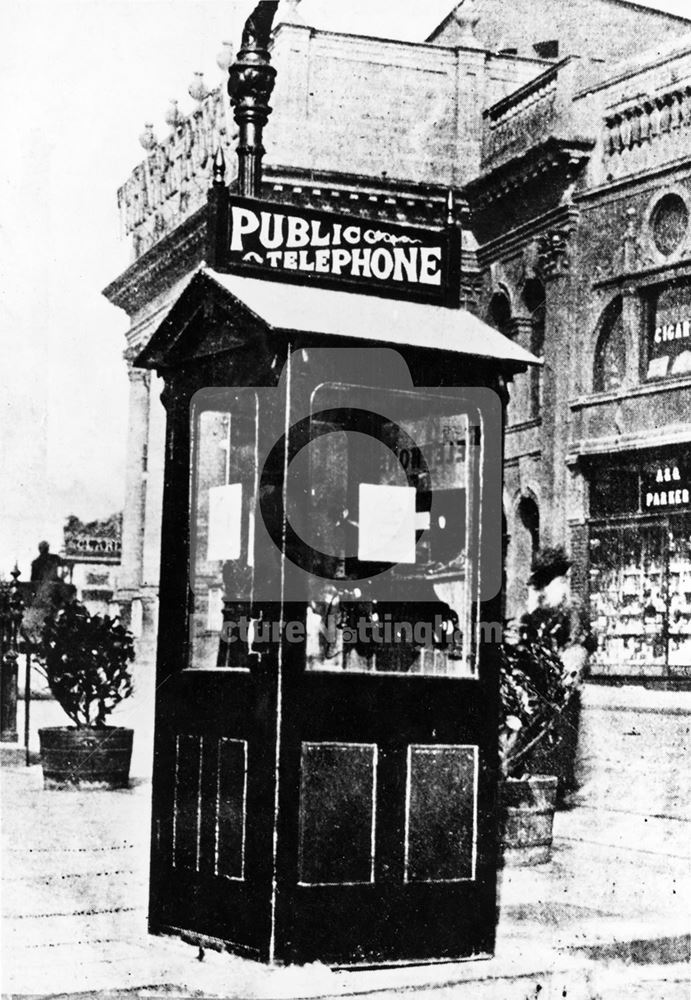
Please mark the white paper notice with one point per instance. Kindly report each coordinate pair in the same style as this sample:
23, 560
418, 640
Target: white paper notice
225, 522
387, 524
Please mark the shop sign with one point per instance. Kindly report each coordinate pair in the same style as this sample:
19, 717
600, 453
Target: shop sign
670, 334
667, 333
659, 486
666, 486
350, 253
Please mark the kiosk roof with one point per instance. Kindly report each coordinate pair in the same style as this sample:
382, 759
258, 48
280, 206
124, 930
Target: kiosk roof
315, 310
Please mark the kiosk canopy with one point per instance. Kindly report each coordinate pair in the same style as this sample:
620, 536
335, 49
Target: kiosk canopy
351, 316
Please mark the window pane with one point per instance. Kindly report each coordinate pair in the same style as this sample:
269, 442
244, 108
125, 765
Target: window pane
391, 497
610, 355
222, 527
679, 588
628, 589
669, 340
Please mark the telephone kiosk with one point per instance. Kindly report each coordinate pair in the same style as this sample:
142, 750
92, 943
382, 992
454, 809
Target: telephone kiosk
326, 714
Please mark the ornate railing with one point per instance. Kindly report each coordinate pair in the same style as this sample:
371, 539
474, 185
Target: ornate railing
542, 108
646, 132
172, 182
509, 122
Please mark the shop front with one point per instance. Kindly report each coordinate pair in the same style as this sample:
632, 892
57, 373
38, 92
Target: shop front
640, 563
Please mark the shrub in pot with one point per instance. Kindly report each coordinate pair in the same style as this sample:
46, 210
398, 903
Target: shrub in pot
557, 617
534, 695
86, 661
541, 671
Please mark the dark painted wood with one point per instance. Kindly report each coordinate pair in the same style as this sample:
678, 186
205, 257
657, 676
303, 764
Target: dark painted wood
252, 261
205, 720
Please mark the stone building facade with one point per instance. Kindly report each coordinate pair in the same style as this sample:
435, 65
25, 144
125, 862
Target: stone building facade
566, 150
581, 212
90, 557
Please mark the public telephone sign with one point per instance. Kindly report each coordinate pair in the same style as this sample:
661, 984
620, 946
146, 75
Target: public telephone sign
346, 252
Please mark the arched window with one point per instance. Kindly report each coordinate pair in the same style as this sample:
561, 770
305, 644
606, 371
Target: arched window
524, 543
499, 313
529, 516
610, 353
534, 300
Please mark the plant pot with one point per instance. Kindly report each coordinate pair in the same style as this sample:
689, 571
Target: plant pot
85, 758
527, 819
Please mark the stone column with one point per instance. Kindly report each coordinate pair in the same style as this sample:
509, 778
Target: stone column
130, 576
471, 81
634, 329
561, 307
520, 409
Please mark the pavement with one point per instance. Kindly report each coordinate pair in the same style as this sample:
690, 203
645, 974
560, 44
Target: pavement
608, 917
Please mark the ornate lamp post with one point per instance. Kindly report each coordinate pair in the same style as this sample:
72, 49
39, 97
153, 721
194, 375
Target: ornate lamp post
251, 82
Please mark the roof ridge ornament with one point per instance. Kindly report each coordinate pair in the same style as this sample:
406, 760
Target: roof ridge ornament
467, 21
219, 166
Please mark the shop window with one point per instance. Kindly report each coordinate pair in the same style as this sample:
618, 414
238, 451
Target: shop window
640, 568
640, 593
610, 353
669, 223
669, 331
534, 299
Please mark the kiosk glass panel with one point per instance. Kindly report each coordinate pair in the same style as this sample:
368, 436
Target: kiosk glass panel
224, 489
393, 500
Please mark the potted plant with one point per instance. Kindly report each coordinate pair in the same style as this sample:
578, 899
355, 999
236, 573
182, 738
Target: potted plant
86, 662
541, 671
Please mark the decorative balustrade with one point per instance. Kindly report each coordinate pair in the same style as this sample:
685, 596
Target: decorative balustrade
172, 182
646, 133
520, 121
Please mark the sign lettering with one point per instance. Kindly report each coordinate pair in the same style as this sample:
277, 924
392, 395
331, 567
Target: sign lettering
666, 487
669, 345
288, 243
668, 332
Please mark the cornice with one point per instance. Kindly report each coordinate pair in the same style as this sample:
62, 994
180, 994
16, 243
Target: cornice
645, 276
618, 186
552, 155
180, 250
160, 266
561, 219
586, 448
682, 382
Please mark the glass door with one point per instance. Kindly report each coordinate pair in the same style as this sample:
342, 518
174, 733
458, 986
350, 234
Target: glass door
388, 747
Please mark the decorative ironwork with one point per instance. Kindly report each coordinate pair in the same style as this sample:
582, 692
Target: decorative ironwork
11, 610
251, 82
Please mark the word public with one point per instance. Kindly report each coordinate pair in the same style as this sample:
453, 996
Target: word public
309, 245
